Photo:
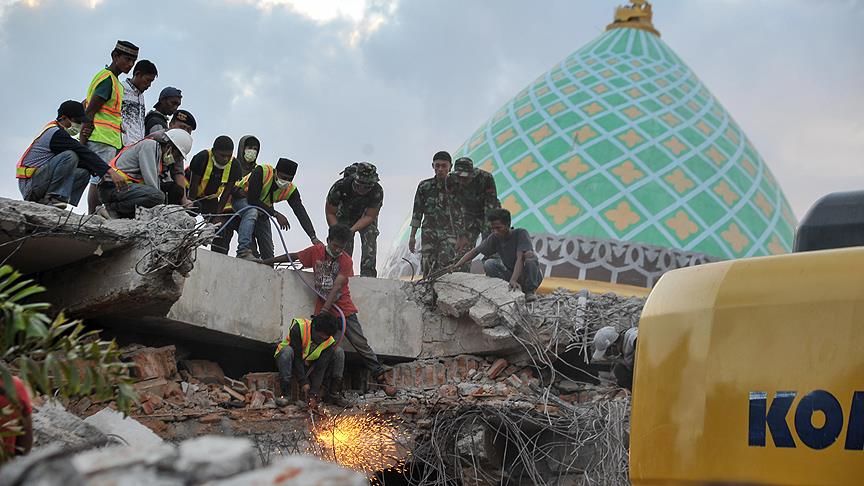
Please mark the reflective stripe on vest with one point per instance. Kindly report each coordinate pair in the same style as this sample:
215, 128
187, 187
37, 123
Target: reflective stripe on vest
107, 121
267, 182
205, 179
305, 340
21, 170
126, 176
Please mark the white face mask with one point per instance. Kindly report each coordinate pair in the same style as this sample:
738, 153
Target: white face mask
218, 165
282, 184
74, 129
250, 155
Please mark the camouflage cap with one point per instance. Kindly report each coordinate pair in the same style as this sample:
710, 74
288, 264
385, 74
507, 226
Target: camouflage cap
463, 166
366, 173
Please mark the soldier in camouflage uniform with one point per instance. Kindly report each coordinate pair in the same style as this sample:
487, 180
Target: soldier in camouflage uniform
355, 201
477, 195
438, 212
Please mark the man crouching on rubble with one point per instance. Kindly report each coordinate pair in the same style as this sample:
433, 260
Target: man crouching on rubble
309, 351
332, 267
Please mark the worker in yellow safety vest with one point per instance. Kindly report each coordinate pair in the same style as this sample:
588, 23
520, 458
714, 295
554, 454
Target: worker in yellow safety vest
211, 174
263, 188
103, 135
309, 348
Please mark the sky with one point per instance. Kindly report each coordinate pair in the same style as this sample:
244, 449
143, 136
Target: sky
329, 82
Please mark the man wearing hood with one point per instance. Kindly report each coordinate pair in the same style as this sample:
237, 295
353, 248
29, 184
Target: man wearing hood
153, 168
246, 160
263, 188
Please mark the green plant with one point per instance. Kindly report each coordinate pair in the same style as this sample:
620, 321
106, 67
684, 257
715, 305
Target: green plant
55, 356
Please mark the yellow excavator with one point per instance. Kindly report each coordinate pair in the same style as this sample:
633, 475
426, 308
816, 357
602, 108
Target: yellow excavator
751, 371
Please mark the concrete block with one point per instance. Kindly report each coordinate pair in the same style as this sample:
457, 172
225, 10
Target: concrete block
130, 430
211, 458
296, 471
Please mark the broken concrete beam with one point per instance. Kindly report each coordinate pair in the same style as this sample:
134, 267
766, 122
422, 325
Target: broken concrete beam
209, 458
52, 424
204, 371
481, 298
153, 362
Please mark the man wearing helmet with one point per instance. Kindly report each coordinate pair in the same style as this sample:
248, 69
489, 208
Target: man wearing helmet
355, 201
153, 168
610, 346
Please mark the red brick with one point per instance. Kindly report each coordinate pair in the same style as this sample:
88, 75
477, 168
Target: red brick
153, 362
153, 386
147, 408
205, 371
210, 419
448, 391
496, 368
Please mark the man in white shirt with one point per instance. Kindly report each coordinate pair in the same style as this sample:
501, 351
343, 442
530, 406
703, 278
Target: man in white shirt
134, 109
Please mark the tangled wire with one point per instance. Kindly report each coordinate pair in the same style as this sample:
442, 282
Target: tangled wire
477, 444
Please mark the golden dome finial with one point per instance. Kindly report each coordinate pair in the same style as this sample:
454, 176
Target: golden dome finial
637, 15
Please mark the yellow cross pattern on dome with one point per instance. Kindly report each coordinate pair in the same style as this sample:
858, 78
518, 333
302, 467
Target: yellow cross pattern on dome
584, 134
635, 76
510, 203
632, 112
732, 136
715, 155
573, 167
631, 138
541, 134
679, 181
671, 119
682, 225
723, 190
735, 237
525, 110
524, 166
556, 108
704, 127
635, 93
748, 166
593, 108
570, 89
600, 88
763, 204
488, 165
477, 141
675, 146
622, 216
562, 210
628, 173
504, 136
775, 246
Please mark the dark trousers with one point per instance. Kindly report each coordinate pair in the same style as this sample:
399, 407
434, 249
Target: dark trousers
354, 335
529, 280
331, 364
368, 248
124, 202
59, 177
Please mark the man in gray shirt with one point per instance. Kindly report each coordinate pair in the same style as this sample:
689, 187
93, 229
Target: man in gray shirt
518, 264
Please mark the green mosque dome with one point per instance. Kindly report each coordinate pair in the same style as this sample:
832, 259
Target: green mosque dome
621, 141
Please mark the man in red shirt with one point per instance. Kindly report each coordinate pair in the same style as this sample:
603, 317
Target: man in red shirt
332, 267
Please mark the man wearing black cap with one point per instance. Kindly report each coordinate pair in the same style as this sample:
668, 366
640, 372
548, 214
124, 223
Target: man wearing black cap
55, 167
157, 119
183, 120
211, 172
103, 105
263, 188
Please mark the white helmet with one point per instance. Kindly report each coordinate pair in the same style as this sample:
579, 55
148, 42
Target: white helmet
181, 139
605, 337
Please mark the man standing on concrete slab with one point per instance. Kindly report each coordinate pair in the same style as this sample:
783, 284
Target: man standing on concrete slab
332, 267
157, 120
212, 175
134, 109
263, 188
619, 349
246, 160
55, 168
153, 168
183, 120
438, 212
478, 196
355, 201
103, 106
518, 264
311, 343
